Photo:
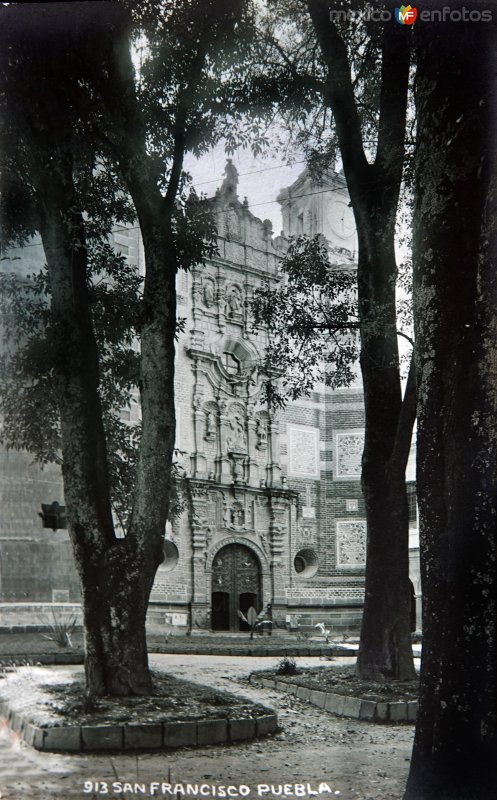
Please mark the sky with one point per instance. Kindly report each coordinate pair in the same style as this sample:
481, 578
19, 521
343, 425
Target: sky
260, 180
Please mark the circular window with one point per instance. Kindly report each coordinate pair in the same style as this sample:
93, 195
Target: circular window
305, 563
171, 556
299, 564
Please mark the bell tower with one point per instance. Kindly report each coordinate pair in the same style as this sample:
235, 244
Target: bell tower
310, 207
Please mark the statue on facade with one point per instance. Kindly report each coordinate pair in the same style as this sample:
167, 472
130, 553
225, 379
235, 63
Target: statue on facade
234, 301
231, 180
261, 434
237, 440
237, 515
208, 294
210, 426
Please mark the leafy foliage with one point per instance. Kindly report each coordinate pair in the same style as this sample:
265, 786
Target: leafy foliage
292, 75
28, 398
175, 102
311, 322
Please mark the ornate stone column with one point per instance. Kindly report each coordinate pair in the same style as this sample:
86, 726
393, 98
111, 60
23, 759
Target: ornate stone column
200, 602
279, 505
223, 464
221, 301
197, 334
251, 466
198, 459
273, 469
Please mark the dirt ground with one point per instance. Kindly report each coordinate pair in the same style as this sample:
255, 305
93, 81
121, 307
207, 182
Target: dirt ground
314, 755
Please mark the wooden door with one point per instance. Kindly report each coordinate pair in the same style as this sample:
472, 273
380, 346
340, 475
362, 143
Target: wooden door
236, 579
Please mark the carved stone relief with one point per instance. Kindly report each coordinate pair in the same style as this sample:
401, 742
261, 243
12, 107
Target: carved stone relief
349, 454
214, 510
351, 543
261, 514
232, 223
306, 534
303, 451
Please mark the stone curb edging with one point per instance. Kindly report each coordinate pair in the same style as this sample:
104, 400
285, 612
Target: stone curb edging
132, 736
344, 705
71, 658
76, 657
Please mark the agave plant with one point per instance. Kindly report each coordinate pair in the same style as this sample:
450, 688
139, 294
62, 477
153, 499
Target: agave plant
61, 631
254, 620
324, 631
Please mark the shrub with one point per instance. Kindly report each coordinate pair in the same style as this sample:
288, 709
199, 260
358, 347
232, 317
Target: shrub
287, 666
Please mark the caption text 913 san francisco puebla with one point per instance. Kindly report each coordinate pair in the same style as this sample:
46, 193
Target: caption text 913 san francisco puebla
178, 790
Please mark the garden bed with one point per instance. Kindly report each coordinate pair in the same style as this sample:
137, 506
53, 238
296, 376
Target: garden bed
51, 710
339, 691
343, 680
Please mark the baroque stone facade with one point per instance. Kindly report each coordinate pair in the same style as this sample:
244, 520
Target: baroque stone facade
264, 498
273, 513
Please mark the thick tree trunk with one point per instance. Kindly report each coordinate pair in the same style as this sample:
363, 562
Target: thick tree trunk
456, 349
116, 574
116, 591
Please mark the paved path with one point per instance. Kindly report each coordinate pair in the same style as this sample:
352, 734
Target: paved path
360, 761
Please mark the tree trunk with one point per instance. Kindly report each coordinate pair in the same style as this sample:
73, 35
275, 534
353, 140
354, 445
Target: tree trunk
116, 574
57, 120
116, 591
126, 139
456, 350
385, 647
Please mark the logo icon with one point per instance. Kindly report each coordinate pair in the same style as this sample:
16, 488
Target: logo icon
405, 15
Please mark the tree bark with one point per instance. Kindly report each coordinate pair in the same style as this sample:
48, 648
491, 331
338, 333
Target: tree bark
78, 95
116, 589
385, 645
116, 575
456, 352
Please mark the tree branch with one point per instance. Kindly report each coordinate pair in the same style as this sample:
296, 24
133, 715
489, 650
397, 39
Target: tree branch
339, 94
406, 337
396, 54
405, 423
301, 80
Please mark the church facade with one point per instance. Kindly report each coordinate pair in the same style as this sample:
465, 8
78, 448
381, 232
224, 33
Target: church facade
273, 517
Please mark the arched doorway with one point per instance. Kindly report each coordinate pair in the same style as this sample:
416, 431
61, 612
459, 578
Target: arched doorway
236, 585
